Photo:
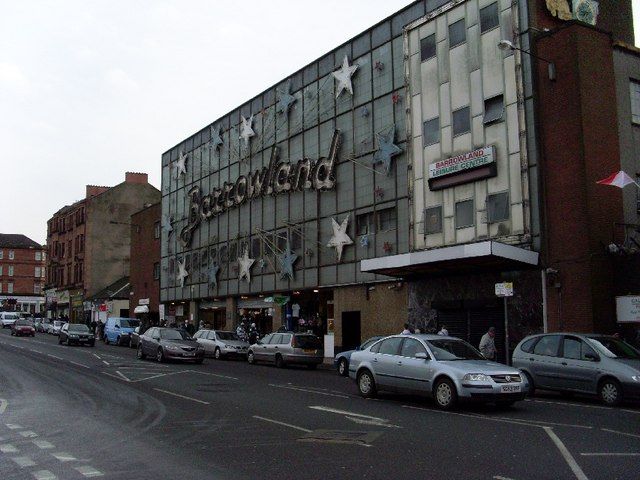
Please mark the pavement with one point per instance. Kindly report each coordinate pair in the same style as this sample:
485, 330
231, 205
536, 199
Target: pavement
82, 412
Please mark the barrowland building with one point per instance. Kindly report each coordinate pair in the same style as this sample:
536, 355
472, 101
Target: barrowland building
451, 147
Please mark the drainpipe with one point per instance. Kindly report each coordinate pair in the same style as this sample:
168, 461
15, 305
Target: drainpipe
545, 325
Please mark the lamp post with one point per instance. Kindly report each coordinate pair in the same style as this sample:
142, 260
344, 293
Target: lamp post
508, 45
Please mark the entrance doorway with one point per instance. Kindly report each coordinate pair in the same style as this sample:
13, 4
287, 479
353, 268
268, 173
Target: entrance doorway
350, 330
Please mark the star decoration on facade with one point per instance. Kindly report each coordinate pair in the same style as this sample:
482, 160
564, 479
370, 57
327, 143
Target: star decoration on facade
213, 275
343, 76
285, 99
340, 237
245, 265
286, 260
167, 224
246, 131
216, 139
182, 273
386, 148
181, 164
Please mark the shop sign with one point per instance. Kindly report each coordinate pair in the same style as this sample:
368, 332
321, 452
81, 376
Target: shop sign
460, 163
63, 297
278, 177
103, 307
76, 301
628, 309
143, 301
280, 300
504, 289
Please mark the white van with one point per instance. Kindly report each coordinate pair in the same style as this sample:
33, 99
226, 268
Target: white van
9, 318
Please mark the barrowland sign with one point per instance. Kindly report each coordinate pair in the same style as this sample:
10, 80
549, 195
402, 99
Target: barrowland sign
466, 161
276, 178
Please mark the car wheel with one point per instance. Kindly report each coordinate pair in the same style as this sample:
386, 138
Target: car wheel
343, 367
140, 354
444, 393
366, 384
160, 356
610, 392
532, 387
505, 404
279, 361
217, 354
250, 358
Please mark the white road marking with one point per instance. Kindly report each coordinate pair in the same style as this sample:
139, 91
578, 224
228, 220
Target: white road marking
64, 456
611, 454
79, 364
36, 351
542, 422
306, 430
3, 405
105, 362
14, 426
28, 434
54, 356
499, 477
97, 356
599, 407
575, 468
8, 448
43, 444
300, 389
158, 375
181, 396
123, 376
24, 462
620, 433
88, 471
212, 374
44, 475
358, 417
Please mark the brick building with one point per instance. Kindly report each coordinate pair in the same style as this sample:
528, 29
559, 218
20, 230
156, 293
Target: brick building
22, 273
144, 274
89, 241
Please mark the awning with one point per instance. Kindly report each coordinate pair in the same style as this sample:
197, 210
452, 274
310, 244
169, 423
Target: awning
252, 303
141, 309
455, 259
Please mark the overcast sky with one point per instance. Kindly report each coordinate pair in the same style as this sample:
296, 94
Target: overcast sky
91, 89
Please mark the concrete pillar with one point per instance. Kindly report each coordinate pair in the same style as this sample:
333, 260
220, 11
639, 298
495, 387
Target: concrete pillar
231, 313
194, 313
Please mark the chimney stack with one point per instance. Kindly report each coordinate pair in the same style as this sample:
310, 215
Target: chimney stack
135, 177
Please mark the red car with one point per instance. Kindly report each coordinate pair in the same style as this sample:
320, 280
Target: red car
23, 327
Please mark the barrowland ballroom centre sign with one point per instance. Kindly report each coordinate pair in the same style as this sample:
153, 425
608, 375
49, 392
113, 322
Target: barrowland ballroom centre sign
276, 178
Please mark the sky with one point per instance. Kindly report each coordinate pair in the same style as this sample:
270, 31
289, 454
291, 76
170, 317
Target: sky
91, 89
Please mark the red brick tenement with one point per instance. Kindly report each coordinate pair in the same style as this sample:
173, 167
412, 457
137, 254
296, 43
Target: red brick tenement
22, 273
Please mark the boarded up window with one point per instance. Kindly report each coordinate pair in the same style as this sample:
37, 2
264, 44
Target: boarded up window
498, 207
464, 214
433, 220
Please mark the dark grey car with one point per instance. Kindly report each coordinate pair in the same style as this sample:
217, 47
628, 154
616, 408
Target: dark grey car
169, 344
582, 363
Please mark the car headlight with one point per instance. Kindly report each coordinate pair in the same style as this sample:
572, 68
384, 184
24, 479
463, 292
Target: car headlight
73, 336
635, 378
476, 377
172, 347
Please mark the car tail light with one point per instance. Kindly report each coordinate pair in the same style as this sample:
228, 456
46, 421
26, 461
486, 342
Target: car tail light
294, 343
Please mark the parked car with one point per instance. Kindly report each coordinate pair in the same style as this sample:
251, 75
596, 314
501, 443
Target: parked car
23, 327
77, 333
169, 344
341, 362
134, 338
48, 327
118, 330
445, 368
55, 327
221, 344
8, 318
581, 363
287, 348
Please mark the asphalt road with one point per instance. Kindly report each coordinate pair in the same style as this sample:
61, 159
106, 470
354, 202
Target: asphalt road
81, 412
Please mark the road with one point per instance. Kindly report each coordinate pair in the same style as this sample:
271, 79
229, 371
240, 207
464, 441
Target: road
81, 412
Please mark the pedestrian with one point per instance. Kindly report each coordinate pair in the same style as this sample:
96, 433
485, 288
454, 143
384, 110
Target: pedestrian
407, 329
443, 331
253, 334
488, 345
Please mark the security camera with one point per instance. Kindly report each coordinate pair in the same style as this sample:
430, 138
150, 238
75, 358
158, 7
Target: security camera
551, 271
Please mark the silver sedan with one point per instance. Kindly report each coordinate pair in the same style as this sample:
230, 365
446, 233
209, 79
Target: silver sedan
445, 368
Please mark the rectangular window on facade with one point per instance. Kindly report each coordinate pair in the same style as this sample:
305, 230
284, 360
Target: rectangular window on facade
431, 131
387, 220
11, 270
489, 17
498, 207
457, 33
461, 121
36, 273
156, 230
38, 256
156, 271
493, 109
0, 287
464, 214
634, 88
12, 255
37, 288
433, 220
365, 224
433, 4
428, 47
9, 287
256, 245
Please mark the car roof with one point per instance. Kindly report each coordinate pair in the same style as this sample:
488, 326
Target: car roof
425, 336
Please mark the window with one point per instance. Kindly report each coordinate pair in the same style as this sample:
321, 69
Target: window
428, 47
528, 345
498, 207
1, 254
464, 214
11, 255
410, 347
493, 109
461, 121
572, 347
390, 346
433, 4
634, 88
433, 220
156, 271
489, 17
431, 131
457, 33
9, 287
36, 273
376, 348
256, 247
37, 288
286, 339
547, 345
11, 270
0, 287
38, 256
276, 339
365, 224
0, 270
387, 220
156, 230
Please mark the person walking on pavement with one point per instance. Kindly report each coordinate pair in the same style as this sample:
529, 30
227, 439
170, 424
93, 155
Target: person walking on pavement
407, 329
443, 331
488, 345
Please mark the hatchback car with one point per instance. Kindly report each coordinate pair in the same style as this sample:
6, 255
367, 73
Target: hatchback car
55, 327
581, 363
287, 348
23, 327
445, 368
221, 344
77, 333
169, 344
341, 361
8, 319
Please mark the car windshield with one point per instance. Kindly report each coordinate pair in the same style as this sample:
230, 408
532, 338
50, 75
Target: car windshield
615, 348
448, 349
24, 323
174, 335
78, 327
308, 341
227, 336
129, 323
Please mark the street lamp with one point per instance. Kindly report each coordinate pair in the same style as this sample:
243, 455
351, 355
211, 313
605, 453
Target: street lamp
508, 45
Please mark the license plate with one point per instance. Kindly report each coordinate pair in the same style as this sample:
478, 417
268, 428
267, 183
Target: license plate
510, 388
309, 350
189, 354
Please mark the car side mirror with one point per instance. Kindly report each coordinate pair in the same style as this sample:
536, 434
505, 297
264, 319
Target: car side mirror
591, 357
422, 356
